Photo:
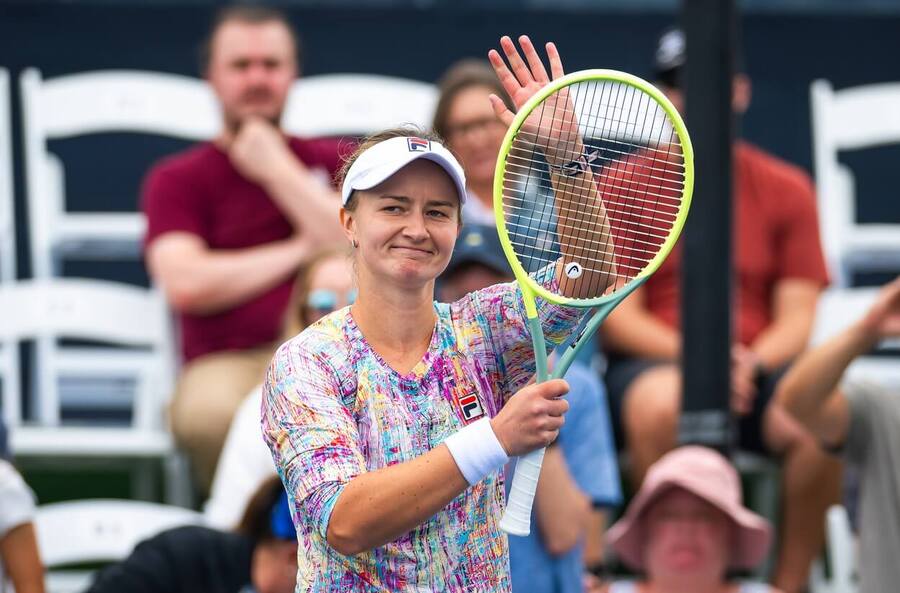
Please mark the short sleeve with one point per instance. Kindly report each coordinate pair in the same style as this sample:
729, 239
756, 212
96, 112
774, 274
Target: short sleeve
799, 245
587, 440
16, 499
312, 436
171, 202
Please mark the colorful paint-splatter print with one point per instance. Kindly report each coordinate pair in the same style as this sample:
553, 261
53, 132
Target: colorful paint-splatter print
333, 409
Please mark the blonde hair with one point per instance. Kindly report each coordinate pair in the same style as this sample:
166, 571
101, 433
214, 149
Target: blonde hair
295, 316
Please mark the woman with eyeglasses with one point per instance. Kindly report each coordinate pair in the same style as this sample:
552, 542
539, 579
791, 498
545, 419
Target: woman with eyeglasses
466, 121
324, 285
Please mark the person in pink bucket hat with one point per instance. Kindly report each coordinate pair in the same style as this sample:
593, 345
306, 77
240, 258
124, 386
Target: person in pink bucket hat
687, 527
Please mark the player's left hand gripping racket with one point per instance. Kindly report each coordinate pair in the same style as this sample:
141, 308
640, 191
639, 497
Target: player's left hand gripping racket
595, 178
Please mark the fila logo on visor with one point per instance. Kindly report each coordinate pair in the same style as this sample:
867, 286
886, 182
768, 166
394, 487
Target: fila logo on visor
418, 144
471, 407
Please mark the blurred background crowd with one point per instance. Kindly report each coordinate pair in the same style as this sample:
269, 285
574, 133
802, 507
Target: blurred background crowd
168, 217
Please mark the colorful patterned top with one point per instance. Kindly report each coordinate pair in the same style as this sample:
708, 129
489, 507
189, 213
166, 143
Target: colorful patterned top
333, 409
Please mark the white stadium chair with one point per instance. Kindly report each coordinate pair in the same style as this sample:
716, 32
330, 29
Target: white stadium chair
357, 104
852, 119
98, 531
111, 313
78, 105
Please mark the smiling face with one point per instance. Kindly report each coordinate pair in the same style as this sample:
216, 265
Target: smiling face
686, 538
406, 226
251, 69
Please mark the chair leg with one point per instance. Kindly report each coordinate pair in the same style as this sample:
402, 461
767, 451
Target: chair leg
178, 487
144, 485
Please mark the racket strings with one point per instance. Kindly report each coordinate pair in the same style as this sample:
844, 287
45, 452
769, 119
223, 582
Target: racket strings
636, 181
610, 139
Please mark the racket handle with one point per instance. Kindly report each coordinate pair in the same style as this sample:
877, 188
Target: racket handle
517, 517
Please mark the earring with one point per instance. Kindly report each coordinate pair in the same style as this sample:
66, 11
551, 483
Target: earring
355, 243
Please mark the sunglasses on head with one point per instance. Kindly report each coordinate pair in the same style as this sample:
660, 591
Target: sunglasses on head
326, 300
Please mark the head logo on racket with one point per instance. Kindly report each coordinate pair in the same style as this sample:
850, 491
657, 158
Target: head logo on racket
573, 270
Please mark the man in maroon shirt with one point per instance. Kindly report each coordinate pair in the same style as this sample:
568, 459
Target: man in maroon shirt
779, 271
230, 221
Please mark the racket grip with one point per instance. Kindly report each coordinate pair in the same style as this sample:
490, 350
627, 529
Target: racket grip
516, 518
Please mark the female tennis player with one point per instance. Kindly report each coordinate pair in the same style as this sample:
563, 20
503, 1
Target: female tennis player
389, 420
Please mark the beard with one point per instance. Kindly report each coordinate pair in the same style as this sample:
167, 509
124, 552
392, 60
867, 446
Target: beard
250, 105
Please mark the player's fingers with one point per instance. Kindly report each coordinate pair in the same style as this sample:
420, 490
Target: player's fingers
501, 111
554, 422
538, 72
518, 67
507, 79
557, 407
556, 65
553, 388
549, 436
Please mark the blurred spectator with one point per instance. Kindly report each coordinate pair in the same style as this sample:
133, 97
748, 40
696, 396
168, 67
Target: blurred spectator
18, 544
465, 119
580, 474
324, 285
230, 221
261, 556
687, 527
862, 420
779, 272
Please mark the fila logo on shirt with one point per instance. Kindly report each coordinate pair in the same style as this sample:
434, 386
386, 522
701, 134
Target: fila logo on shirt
418, 144
471, 407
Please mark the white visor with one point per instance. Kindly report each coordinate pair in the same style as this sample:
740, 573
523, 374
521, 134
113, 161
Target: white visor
387, 157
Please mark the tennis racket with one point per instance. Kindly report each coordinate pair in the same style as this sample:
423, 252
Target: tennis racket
595, 178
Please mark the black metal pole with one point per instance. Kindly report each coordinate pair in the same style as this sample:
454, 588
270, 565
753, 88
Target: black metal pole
709, 27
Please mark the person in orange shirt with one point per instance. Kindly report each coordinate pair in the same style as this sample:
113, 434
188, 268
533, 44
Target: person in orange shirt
779, 271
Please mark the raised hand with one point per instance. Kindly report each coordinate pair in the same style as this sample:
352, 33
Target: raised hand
259, 151
883, 318
552, 126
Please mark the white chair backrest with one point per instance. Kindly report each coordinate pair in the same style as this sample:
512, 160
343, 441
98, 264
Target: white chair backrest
357, 104
850, 119
121, 101
9, 352
93, 102
81, 308
97, 310
102, 530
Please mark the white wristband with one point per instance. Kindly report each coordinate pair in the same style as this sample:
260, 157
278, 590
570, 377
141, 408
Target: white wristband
476, 450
